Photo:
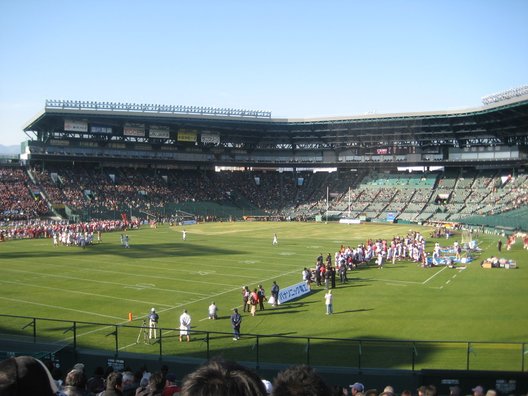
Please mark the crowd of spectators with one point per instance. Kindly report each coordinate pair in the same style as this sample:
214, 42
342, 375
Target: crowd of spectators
96, 192
25, 375
19, 197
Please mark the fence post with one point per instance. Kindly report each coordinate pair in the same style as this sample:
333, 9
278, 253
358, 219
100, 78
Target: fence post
207, 342
116, 337
414, 353
75, 336
359, 356
258, 350
33, 323
308, 351
160, 344
523, 348
468, 353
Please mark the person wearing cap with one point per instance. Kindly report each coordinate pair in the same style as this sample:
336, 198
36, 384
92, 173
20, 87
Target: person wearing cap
185, 325
356, 388
171, 387
153, 324
478, 391
236, 320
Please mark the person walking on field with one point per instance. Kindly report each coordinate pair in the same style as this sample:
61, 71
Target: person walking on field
329, 301
275, 240
253, 301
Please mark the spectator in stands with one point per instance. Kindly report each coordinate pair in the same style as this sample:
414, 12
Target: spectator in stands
454, 391
129, 383
300, 380
96, 383
170, 385
478, 390
430, 390
156, 384
114, 384
25, 375
219, 377
356, 388
75, 384
269, 386
388, 391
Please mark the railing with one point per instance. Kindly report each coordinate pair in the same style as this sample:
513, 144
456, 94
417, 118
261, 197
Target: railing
154, 108
278, 349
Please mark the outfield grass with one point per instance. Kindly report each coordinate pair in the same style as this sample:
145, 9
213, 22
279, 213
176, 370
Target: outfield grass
402, 302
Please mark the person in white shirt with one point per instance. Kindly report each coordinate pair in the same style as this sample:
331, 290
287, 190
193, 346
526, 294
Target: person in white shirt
185, 325
213, 309
329, 301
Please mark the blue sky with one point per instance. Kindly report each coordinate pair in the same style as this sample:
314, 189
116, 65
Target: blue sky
297, 59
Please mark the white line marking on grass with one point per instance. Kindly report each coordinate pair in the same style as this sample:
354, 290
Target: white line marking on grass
213, 296
396, 284
58, 307
431, 277
82, 293
394, 280
113, 283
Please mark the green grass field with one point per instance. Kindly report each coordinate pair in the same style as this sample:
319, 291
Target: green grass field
402, 302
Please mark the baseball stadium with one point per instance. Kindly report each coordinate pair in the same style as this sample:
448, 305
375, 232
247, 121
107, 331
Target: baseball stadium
415, 222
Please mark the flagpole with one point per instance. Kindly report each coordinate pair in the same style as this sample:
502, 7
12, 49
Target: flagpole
327, 204
349, 202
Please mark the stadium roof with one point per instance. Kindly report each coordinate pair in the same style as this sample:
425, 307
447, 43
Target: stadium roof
499, 123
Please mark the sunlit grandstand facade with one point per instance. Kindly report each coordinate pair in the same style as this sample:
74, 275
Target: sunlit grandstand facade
92, 159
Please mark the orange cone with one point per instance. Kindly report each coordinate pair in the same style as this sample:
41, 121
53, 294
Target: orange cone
130, 316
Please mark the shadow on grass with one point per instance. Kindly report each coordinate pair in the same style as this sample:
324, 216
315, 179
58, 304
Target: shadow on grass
363, 351
134, 252
353, 311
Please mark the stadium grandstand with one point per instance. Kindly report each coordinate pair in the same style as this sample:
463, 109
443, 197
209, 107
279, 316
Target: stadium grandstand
86, 160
